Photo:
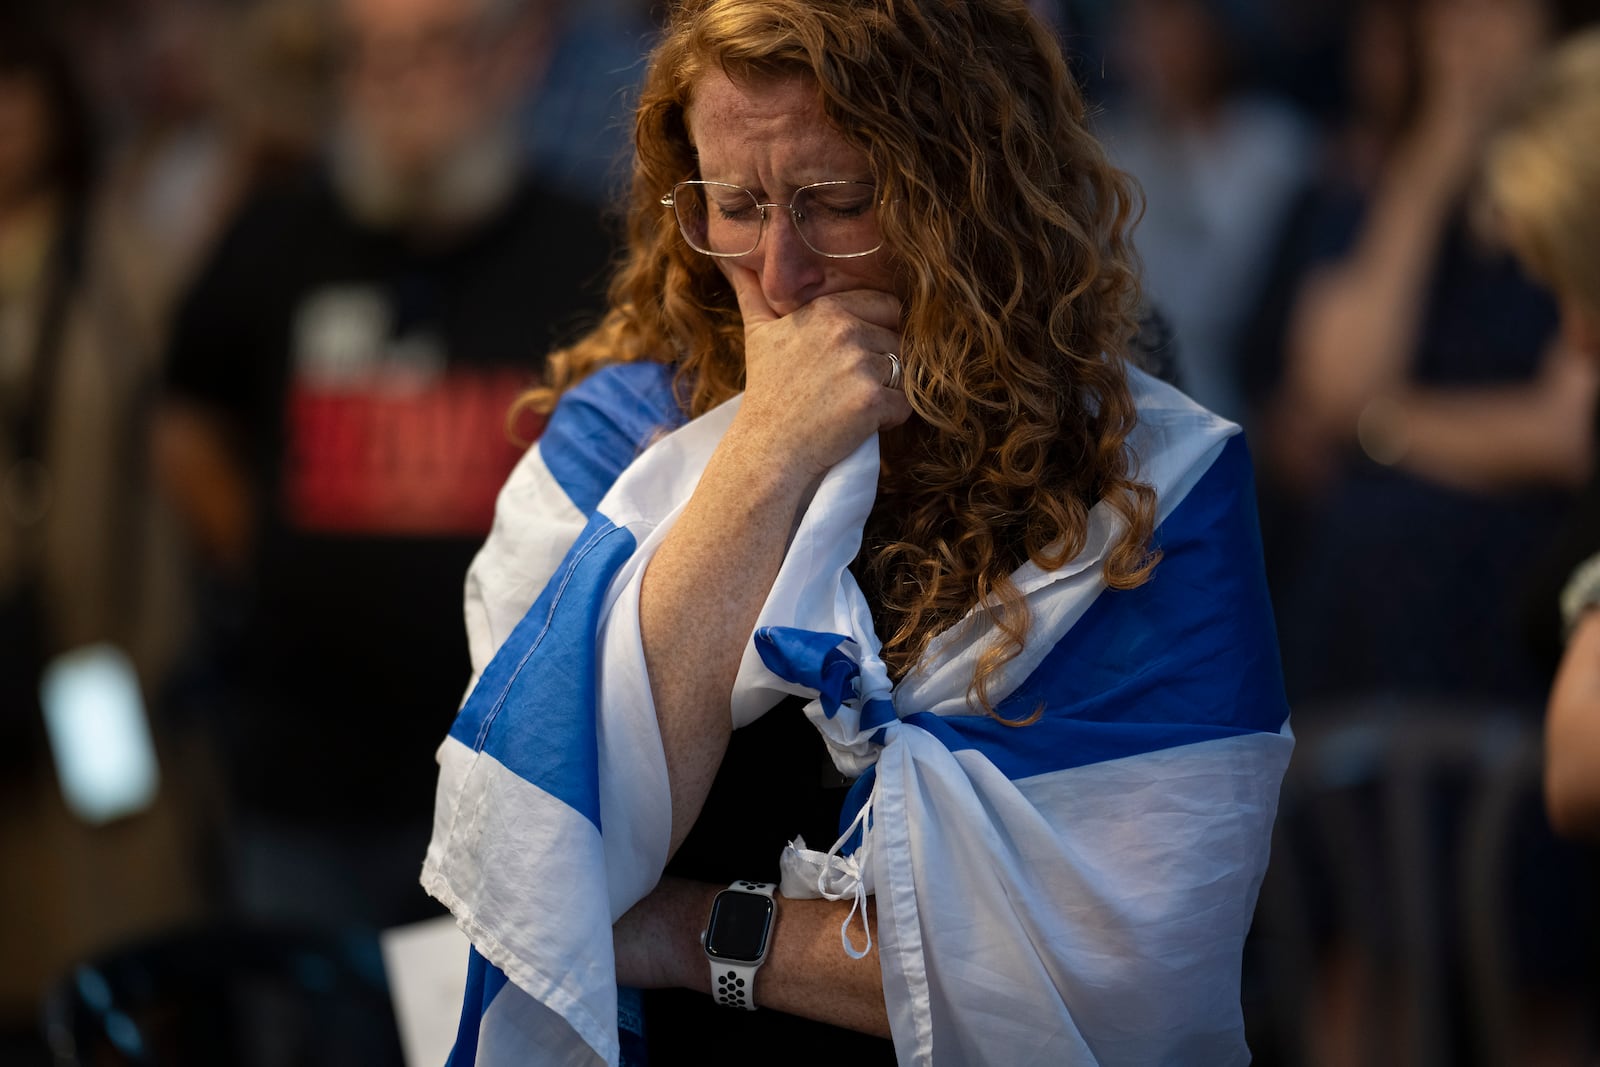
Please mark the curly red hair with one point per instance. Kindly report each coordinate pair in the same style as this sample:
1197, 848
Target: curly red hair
1009, 227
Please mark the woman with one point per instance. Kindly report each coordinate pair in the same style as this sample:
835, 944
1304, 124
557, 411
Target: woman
1220, 163
858, 430
1427, 424
1540, 177
89, 582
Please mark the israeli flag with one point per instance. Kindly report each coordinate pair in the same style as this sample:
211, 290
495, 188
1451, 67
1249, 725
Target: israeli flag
1076, 891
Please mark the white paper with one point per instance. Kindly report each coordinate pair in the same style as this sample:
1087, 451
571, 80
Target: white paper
427, 967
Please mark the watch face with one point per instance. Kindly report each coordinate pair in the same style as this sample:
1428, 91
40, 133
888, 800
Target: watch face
739, 926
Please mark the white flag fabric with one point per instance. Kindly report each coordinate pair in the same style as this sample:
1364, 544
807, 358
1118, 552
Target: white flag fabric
1076, 891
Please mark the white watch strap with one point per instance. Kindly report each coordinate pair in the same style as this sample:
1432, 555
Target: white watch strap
733, 984
1581, 593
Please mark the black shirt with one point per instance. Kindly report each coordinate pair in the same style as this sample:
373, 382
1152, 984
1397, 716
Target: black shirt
774, 784
365, 378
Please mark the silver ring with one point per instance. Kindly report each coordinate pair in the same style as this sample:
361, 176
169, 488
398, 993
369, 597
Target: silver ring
893, 381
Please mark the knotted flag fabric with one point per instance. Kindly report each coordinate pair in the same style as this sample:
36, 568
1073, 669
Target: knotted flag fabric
1075, 891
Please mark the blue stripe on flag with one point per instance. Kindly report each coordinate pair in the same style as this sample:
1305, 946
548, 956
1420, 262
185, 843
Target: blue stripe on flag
877, 712
533, 708
1058, 742
811, 659
860, 790
1189, 656
484, 982
602, 424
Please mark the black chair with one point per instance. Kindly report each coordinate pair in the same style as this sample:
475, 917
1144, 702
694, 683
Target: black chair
1400, 828
235, 995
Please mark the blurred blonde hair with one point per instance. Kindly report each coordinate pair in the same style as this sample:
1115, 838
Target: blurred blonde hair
1009, 228
1541, 172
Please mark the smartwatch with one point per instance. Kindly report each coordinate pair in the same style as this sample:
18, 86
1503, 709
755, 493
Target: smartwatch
736, 939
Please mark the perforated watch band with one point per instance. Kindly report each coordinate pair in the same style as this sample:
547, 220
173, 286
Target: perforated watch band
733, 984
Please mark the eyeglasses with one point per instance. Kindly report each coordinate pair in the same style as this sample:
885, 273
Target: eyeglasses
838, 220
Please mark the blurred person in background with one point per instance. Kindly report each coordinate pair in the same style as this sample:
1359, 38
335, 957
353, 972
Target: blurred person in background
155, 70
1429, 421
1374, 99
198, 101
1427, 426
1219, 166
211, 100
576, 120
1542, 179
335, 433
86, 562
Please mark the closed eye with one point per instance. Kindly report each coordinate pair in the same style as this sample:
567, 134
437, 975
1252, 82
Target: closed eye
836, 203
738, 212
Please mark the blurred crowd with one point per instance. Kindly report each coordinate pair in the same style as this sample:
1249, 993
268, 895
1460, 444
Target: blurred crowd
273, 273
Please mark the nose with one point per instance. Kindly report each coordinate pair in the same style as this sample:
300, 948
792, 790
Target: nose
791, 274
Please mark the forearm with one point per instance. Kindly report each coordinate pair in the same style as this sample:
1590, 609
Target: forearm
1499, 437
1485, 441
813, 394
1356, 324
1572, 735
807, 971
698, 604
815, 390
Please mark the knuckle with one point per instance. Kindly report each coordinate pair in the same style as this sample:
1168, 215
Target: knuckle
827, 306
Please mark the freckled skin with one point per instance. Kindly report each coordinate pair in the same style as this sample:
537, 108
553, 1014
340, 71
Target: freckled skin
772, 139
816, 330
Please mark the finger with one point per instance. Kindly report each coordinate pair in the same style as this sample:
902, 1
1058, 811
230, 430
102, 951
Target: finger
875, 306
895, 409
893, 370
753, 306
879, 342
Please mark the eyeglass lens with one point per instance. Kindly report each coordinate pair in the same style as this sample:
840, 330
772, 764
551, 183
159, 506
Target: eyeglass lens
833, 218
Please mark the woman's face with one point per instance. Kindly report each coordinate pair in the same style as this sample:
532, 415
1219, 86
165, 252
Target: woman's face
423, 79
771, 137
